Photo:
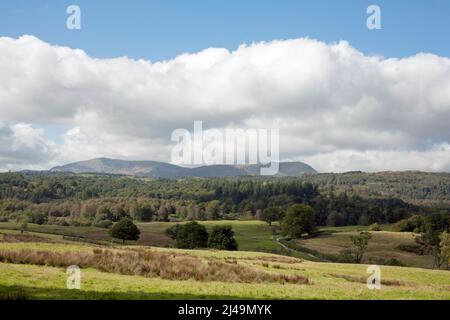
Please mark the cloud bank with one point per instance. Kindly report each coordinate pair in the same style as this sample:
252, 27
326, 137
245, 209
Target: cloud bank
336, 108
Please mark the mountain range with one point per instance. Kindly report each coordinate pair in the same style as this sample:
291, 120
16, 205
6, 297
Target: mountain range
157, 169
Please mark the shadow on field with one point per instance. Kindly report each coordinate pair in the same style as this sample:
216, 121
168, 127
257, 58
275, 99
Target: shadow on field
34, 293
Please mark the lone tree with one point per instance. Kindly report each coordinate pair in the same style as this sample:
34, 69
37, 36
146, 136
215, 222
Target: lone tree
299, 220
125, 229
360, 243
270, 215
222, 238
189, 236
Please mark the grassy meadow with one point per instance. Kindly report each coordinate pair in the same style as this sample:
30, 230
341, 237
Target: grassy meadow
36, 270
250, 235
253, 235
383, 245
33, 266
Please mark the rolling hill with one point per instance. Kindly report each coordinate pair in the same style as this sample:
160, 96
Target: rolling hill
165, 170
420, 188
34, 267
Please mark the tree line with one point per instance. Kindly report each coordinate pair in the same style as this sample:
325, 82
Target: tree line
100, 200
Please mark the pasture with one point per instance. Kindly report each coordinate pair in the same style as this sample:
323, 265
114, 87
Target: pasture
37, 270
252, 235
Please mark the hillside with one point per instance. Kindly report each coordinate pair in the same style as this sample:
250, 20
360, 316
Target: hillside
96, 199
133, 168
257, 236
385, 247
156, 273
421, 188
157, 169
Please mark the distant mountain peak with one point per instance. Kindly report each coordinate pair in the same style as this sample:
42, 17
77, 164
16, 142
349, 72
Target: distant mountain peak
156, 169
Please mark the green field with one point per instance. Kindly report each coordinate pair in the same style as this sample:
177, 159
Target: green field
255, 236
383, 245
250, 235
325, 280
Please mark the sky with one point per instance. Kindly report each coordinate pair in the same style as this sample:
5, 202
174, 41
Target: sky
161, 30
344, 97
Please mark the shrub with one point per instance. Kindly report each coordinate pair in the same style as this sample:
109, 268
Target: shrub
62, 222
222, 238
38, 218
387, 262
413, 224
191, 235
346, 256
375, 227
172, 231
414, 248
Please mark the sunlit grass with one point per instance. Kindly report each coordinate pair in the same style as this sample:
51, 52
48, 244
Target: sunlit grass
327, 280
382, 245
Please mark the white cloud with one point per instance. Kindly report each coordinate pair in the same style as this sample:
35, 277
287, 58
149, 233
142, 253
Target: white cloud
433, 159
336, 108
21, 144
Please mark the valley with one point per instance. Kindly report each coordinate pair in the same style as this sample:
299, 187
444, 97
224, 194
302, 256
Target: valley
256, 275
296, 237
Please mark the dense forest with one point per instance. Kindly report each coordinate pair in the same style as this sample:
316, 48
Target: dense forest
100, 200
422, 188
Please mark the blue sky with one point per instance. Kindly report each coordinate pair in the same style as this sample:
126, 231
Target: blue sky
158, 30
68, 107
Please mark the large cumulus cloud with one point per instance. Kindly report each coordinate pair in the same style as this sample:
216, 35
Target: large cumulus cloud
336, 108
22, 145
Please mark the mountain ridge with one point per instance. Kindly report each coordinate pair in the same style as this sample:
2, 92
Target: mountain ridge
157, 169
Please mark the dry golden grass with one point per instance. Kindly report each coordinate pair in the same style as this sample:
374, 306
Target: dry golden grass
325, 280
150, 264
